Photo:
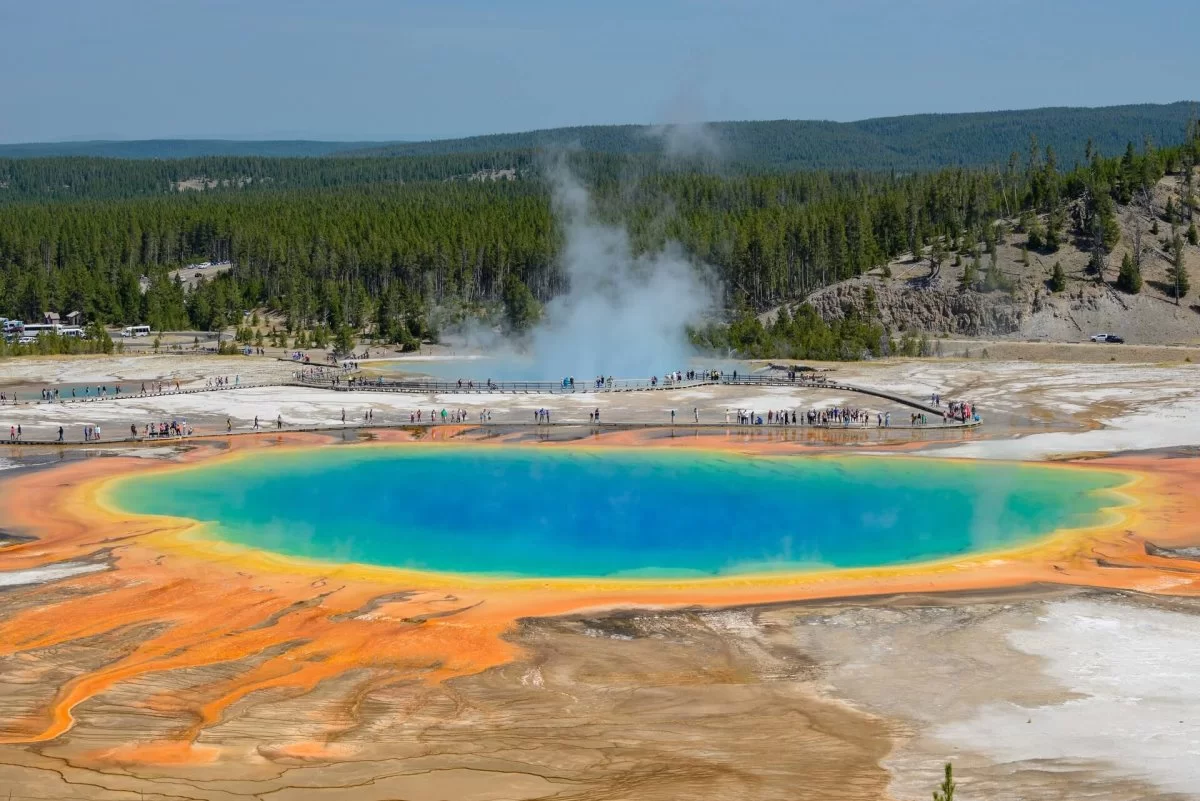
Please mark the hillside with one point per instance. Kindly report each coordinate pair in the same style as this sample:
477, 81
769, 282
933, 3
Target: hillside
908, 300
913, 142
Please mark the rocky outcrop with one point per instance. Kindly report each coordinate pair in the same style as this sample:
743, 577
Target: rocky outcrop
932, 310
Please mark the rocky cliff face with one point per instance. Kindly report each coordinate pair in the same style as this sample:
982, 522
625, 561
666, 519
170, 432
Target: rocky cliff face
932, 310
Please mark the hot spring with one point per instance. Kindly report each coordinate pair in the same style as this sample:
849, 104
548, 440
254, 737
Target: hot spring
540, 512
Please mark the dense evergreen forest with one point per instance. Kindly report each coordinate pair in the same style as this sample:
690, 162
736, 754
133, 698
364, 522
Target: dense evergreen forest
393, 256
98, 178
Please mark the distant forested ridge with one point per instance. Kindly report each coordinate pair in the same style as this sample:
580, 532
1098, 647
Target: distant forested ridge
919, 143
100, 178
913, 142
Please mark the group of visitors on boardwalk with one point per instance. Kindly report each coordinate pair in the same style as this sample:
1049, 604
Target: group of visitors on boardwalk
101, 391
163, 430
445, 416
841, 416
807, 376
470, 384
220, 382
315, 372
159, 387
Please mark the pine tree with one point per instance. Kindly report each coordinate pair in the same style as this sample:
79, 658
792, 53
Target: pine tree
945, 791
1054, 224
970, 276
1129, 279
1058, 279
521, 308
1177, 273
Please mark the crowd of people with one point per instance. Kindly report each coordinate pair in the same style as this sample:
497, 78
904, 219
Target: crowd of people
843, 416
163, 430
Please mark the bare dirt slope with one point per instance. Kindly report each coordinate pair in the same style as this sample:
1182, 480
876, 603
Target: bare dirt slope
915, 297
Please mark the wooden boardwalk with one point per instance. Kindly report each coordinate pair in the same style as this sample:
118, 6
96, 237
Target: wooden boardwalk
418, 386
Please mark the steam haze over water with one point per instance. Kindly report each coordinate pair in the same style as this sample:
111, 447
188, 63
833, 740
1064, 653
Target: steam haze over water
623, 315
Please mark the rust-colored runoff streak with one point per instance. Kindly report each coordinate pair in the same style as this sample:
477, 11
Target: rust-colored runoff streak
291, 625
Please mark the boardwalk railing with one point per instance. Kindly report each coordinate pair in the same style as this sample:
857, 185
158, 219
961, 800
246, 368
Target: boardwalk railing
342, 383
430, 386
127, 394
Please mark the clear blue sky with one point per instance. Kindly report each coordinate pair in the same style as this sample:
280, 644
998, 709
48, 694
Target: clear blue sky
387, 69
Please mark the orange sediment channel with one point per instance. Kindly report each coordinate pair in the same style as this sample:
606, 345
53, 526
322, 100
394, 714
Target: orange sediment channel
292, 624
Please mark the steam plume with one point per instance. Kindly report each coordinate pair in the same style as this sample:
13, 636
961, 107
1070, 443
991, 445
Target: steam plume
624, 315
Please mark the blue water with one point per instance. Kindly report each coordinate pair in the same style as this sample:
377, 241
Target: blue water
528, 511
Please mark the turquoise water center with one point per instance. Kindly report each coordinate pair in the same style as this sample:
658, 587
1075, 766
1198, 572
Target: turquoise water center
564, 512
